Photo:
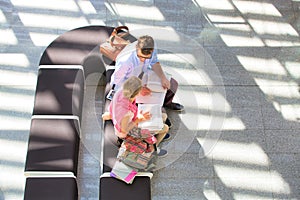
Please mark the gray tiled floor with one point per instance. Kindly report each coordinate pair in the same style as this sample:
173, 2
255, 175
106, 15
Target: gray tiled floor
238, 66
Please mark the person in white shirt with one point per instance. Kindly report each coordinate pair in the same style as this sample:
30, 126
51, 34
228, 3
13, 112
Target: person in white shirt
137, 59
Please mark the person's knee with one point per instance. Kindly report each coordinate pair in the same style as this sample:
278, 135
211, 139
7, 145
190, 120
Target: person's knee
165, 128
164, 116
173, 85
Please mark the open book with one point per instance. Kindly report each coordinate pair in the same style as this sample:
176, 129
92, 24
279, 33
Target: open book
156, 122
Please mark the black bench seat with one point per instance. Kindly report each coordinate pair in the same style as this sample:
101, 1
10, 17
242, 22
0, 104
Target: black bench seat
51, 188
53, 146
59, 90
114, 189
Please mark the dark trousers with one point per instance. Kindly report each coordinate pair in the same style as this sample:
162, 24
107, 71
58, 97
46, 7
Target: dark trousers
171, 92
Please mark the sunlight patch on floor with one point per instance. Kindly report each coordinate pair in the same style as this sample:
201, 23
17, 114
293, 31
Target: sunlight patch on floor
252, 179
66, 5
17, 78
10, 101
14, 59
215, 4
53, 21
273, 28
15, 148
140, 12
250, 153
8, 37
290, 112
42, 39
262, 65
9, 123
260, 8
293, 69
242, 41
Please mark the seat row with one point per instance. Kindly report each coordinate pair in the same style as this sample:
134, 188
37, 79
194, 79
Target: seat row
53, 145
141, 186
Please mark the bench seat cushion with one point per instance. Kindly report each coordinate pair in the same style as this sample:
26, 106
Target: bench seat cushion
59, 92
111, 188
53, 146
49, 188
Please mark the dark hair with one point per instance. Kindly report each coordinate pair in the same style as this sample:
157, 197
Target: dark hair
146, 44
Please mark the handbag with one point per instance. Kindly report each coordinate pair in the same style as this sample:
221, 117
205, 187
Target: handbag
135, 160
137, 148
115, 43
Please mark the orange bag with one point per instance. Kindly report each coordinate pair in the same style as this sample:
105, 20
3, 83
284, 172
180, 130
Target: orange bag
116, 43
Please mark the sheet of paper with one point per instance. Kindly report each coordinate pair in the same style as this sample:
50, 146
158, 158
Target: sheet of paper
156, 121
154, 82
153, 98
158, 93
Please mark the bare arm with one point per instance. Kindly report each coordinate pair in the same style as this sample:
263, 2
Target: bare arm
127, 124
160, 73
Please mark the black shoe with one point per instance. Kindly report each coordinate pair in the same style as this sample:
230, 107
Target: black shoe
167, 137
175, 106
168, 122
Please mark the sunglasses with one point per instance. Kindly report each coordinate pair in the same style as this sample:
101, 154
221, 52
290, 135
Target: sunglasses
145, 57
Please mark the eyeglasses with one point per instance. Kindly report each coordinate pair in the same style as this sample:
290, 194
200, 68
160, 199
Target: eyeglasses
145, 57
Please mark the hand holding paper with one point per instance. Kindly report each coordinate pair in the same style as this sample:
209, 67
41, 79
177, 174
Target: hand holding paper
157, 90
155, 122
145, 115
145, 91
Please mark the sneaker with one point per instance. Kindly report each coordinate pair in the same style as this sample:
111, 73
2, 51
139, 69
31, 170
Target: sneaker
161, 152
167, 137
168, 122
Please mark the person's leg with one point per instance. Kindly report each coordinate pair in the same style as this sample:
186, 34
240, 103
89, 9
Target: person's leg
106, 116
171, 92
164, 117
161, 134
168, 102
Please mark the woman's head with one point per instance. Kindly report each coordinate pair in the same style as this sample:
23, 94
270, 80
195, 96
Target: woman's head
132, 87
